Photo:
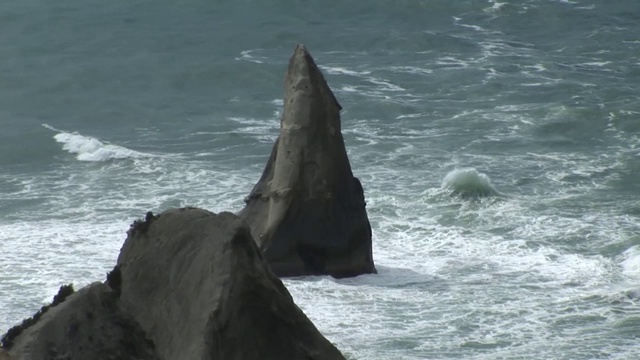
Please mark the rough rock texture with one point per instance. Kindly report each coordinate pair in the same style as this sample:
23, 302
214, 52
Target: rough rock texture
198, 285
307, 211
8, 338
4, 355
89, 324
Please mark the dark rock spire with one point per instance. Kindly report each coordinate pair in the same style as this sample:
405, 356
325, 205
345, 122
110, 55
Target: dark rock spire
307, 211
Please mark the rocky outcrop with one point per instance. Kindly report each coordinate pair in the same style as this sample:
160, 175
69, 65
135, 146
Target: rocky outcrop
307, 211
193, 285
7, 339
88, 324
199, 287
189, 284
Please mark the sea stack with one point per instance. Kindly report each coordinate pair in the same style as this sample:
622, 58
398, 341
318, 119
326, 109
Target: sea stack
197, 284
307, 212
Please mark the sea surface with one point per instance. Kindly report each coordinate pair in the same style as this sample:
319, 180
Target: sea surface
498, 144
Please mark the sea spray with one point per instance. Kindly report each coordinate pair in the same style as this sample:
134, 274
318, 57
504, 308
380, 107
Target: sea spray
468, 183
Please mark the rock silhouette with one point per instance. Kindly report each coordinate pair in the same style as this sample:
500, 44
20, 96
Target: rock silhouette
199, 287
307, 211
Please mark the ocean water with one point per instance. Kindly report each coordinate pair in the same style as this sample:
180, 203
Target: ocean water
498, 144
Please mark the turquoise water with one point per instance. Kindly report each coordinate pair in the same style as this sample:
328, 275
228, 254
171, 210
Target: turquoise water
497, 143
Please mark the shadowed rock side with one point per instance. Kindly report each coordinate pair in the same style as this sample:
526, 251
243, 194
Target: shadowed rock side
199, 287
307, 211
89, 324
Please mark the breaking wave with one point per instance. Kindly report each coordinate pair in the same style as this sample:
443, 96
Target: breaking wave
91, 149
468, 183
631, 263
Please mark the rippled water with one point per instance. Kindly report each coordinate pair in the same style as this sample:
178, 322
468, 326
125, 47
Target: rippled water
497, 143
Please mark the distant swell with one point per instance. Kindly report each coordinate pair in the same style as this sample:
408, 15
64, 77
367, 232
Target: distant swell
92, 149
468, 183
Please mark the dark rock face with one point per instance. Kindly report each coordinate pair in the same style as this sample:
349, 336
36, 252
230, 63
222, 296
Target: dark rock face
199, 287
63, 293
307, 211
89, 324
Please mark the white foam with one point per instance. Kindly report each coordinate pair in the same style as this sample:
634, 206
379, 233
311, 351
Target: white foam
348, 88
43, 255
536, 67
535, 84
452, 62
411, 70
498, 5
248, 55
473, 27
91, 149
596, 63
631, 263
336, 70
410, 116
385, 85
424, 264
264, 130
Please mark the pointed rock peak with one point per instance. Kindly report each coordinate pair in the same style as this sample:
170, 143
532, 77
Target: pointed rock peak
301, 50
306, 88
302, 58
307, 212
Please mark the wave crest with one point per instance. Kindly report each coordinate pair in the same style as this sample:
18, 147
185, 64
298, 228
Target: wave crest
468, 183
631, 263
91, 149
